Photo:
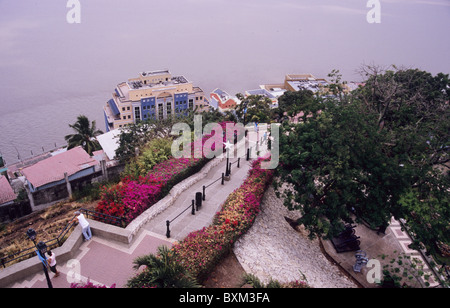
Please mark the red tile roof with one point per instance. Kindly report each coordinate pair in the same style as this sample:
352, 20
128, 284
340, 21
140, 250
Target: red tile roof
6, 192
52, 169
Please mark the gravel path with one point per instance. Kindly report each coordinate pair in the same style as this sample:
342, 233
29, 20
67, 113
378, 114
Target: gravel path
273, 249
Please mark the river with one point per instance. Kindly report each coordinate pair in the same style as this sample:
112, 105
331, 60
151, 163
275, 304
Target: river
51, 71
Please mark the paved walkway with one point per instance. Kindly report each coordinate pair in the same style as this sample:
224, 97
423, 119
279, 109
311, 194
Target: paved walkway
106, 263
271, 248
183, 222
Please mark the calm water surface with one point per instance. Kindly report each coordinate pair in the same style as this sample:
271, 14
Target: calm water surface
52, 71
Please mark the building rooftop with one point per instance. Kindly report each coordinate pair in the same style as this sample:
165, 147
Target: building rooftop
299, 82
52, 169
6, 192
110, 142
155, 73
134, 84
222, 94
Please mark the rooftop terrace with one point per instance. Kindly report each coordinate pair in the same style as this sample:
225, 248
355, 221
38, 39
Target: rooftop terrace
134, 84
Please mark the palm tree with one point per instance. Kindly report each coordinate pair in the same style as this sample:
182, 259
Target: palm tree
161, 271
85, 135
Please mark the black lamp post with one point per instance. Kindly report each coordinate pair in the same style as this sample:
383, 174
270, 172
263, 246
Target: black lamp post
32, 235
41, 249
227, 169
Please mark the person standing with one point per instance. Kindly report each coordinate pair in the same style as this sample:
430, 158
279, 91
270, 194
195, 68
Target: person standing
51, 260
86, 229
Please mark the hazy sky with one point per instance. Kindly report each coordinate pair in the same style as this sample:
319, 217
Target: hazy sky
232, 44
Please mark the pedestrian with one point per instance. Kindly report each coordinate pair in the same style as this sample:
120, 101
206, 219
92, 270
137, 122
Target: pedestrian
51, 260
86, 229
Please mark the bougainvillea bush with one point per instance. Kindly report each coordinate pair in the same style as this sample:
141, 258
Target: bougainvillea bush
131, 197
135, 194
201, 250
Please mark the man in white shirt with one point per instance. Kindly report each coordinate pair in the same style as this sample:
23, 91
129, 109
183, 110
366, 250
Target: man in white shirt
86, 229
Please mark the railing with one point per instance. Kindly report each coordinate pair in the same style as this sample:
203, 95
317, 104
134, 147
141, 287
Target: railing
113, 220
31, 252
196, 204
59, 240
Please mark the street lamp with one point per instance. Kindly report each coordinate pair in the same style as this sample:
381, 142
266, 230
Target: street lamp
41, 249
32, 235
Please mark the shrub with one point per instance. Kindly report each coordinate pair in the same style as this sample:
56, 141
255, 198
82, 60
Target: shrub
201, 250
137, 192
161, 271
130, 198
155, 152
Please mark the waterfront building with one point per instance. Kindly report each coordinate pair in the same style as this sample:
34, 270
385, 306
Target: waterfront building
152, 95
292, 83
304, 82
297, 82
223, 101
75, 163
271, 93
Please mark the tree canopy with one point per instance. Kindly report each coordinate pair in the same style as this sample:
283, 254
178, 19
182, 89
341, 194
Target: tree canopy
381, 151
255, 108
85, 133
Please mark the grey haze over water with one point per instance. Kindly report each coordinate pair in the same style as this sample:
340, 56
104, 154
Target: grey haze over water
52, 71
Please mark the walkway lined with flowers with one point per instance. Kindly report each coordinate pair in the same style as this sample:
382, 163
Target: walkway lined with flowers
104, 262
215, 196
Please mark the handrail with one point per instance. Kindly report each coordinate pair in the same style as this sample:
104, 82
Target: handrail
26, 254
189, 207
57, 241
114, 220
168, 222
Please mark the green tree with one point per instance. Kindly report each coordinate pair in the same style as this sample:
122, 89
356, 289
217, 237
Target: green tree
257, 107
85, 133
156, 151
161, 271
291, 104
334, 165
427, 209
378, 153
137, 136
412, 106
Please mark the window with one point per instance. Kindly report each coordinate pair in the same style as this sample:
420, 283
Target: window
137, 113
160, 111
